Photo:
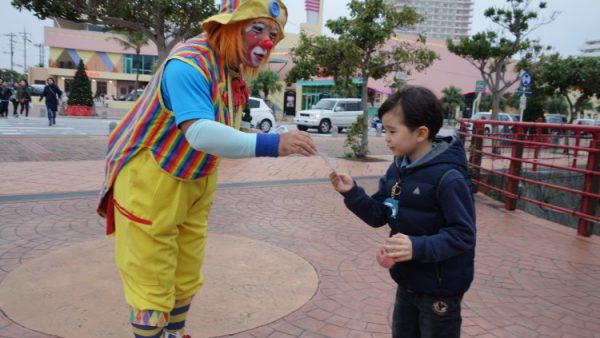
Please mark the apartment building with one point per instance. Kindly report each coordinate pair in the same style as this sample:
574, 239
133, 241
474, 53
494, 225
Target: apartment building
442, 18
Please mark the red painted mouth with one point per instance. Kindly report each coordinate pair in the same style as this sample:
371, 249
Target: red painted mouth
259, 57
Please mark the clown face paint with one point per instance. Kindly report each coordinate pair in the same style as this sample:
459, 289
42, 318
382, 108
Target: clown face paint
258, 41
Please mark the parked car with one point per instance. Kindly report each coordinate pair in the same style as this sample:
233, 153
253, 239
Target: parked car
516, 117
555, 118
37, 89
326, 113
584, 122
133, 95
504, 117
262, 115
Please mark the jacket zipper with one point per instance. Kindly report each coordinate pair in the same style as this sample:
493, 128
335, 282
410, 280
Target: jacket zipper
438, 273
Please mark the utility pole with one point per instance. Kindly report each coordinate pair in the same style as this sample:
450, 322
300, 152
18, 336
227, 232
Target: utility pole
26, 39
41, 54
12, 50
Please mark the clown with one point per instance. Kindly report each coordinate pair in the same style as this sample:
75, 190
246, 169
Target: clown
162, 160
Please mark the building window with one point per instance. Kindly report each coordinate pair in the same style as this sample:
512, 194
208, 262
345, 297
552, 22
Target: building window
66, 64
145, 62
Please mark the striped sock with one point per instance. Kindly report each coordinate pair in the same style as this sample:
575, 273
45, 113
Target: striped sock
145, 331
178, 316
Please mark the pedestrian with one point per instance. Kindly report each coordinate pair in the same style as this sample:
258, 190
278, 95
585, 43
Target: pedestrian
5, 95
163, 156
426, 199
13, 98
24, 96
52, 94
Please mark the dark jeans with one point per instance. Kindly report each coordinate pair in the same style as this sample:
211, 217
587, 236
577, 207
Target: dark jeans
51, 112
3, 108
25, 105
15, 106
423, 316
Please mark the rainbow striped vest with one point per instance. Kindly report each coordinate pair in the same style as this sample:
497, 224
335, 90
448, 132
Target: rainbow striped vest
150, 125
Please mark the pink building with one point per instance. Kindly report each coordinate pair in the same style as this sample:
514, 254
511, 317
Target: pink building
448, 70
111, 68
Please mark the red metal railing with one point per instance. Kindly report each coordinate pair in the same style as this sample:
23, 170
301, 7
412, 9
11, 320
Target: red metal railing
515, 149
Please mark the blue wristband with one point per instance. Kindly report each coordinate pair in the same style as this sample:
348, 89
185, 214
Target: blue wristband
267, 145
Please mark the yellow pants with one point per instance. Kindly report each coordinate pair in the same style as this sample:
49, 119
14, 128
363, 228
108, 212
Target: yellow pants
161, 224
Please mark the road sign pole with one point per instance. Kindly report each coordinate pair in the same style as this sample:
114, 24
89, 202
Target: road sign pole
522, 106
475, 104
479, 88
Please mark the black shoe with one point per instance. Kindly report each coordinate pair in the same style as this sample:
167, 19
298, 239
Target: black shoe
50, 123
53, 121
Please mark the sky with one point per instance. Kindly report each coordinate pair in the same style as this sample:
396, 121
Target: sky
576, 22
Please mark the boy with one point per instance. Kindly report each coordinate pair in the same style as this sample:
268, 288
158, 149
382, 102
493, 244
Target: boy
426, 199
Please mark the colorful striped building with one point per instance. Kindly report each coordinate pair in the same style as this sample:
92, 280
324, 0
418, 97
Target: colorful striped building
111, 68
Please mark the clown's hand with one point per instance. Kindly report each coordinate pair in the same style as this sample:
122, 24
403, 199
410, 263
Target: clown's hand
296, 142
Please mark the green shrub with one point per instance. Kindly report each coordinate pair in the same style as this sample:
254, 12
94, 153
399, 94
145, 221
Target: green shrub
354, 138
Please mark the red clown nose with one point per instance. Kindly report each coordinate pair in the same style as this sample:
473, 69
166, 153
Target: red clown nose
267, 44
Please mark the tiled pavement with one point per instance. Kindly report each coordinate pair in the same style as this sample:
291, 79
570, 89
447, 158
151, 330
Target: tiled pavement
533, 278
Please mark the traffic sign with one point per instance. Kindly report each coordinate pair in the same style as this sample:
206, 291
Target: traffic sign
479, 86
525, 79
524, 91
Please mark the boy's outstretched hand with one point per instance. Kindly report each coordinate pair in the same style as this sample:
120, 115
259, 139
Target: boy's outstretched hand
296, 142
341, 182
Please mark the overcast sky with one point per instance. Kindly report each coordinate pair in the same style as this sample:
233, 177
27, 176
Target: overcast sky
576, 23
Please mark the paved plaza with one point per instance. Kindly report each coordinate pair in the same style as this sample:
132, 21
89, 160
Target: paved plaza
533, 278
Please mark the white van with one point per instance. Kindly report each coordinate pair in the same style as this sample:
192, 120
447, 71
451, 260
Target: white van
326, 113
504, 117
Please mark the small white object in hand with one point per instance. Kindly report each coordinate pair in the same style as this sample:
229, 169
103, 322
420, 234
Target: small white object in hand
328, 163
279, 130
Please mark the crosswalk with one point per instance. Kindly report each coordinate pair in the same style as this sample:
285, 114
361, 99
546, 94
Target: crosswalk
34, 126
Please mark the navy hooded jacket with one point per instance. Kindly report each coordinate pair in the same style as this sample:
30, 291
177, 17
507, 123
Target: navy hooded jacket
436, 211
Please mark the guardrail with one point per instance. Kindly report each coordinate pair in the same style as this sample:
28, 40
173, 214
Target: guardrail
513, 149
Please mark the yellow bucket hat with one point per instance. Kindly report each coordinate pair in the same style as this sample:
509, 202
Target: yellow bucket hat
240, 10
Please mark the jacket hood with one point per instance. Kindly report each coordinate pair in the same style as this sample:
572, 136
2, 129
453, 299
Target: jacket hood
447, 150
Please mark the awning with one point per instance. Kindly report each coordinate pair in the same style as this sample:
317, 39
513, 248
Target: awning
277, 60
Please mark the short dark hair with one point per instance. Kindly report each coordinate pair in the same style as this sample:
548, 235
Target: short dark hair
420, 107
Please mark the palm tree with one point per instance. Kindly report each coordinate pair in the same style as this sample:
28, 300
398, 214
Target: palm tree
267, 81
452, 99
133, 40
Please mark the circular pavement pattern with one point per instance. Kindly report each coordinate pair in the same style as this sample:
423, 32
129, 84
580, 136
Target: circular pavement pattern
248, 283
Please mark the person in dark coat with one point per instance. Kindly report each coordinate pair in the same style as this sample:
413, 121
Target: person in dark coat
52, 94
24, 96
5, 94
14, 100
